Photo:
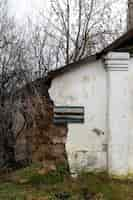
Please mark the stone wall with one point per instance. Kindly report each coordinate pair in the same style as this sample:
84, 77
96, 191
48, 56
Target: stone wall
37, 138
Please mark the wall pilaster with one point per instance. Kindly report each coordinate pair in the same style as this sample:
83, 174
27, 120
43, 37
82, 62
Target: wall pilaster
117, 112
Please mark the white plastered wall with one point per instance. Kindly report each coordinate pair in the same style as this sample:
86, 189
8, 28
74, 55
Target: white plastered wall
85, 86
130, 157
117, 65
105, 89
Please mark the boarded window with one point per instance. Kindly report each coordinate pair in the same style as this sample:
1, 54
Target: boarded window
68, 114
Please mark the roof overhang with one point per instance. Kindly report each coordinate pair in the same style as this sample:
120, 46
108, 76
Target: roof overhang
117, 45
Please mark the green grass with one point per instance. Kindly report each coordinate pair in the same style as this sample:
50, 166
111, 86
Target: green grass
28, 184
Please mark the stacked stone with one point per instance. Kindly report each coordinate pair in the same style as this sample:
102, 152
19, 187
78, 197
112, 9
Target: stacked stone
40, 140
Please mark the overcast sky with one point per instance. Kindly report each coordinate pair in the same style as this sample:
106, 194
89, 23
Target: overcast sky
23, 8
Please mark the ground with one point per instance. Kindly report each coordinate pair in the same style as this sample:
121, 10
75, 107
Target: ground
31, 184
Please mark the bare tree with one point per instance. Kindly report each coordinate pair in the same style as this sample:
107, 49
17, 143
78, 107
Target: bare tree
39, 49
82, 27
12, 77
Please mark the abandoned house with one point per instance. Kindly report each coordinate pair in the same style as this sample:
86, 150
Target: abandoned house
102, 85
91, 103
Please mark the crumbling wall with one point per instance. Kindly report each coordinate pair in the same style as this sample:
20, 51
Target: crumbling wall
37, 138
7, 140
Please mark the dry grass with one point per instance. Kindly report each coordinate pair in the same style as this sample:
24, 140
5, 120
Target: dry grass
28, 184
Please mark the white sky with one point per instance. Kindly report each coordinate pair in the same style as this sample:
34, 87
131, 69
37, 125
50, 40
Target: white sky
24, 8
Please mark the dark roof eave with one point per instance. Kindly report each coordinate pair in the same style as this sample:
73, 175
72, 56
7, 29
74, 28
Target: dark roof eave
112, 47
117, 43
53, 74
